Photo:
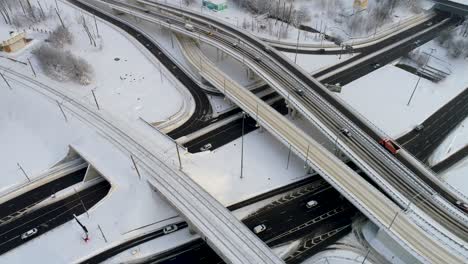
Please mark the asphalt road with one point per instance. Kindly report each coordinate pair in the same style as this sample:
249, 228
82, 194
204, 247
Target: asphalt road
452, 160
16, 205
368, 66
436, 128
51, 216
286, 219
229, 132
203, 109
129, 244
291, 219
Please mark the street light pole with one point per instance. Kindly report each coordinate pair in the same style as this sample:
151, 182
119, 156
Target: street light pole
297, 45
242, 146
419, 79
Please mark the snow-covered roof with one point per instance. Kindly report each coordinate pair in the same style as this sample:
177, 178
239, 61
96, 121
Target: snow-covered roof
5, 34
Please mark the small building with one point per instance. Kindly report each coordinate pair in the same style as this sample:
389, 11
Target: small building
14, 42
361, 4
216, 5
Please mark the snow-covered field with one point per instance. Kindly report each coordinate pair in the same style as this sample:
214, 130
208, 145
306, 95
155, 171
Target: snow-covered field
126, 77
383, 95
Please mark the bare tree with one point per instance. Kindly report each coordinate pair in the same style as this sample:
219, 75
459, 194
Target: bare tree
60, 37
63, 65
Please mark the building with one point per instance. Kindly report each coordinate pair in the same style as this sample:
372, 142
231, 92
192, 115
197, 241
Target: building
217, 5
14, 42
361, 4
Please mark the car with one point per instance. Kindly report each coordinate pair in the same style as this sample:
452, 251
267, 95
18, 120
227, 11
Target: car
206, 147
419, 128
375, 65
169, 229
345, 132
260, 228
29, 233
299, 92
146, 11
210, 33
257, 59
429, 23
234, 44
417, 42
311, 204
462, 205
321, 51
189, 27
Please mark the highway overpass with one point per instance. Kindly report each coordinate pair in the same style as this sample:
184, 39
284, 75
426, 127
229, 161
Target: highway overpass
247, 52
382, 167
364, 196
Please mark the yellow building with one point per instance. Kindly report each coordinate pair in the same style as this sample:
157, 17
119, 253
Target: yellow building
14, 42
362, 4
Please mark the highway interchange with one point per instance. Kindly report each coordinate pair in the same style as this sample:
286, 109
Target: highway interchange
299, 221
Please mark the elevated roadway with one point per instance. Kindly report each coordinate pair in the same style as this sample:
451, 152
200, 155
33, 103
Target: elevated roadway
216, 225
321, 108
363, 195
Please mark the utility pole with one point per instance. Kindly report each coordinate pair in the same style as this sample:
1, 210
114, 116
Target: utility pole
102, 233
97, 30
30, 64
419, 79
21, 168
365, 257
95, 100
81, 201
61, 109
134, 165
393, 220
8, 84
297, 45
289, 157
242, 146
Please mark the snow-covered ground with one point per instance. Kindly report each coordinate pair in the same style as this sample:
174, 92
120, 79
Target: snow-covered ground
382, 96
41, 137
126, 76
326, 16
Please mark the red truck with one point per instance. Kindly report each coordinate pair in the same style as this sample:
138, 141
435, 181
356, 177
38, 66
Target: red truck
389, 145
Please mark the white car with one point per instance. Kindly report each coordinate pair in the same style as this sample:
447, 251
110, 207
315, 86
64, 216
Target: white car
260, 228
189, 27
169, 229
29, 233
311, 204
206, 147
